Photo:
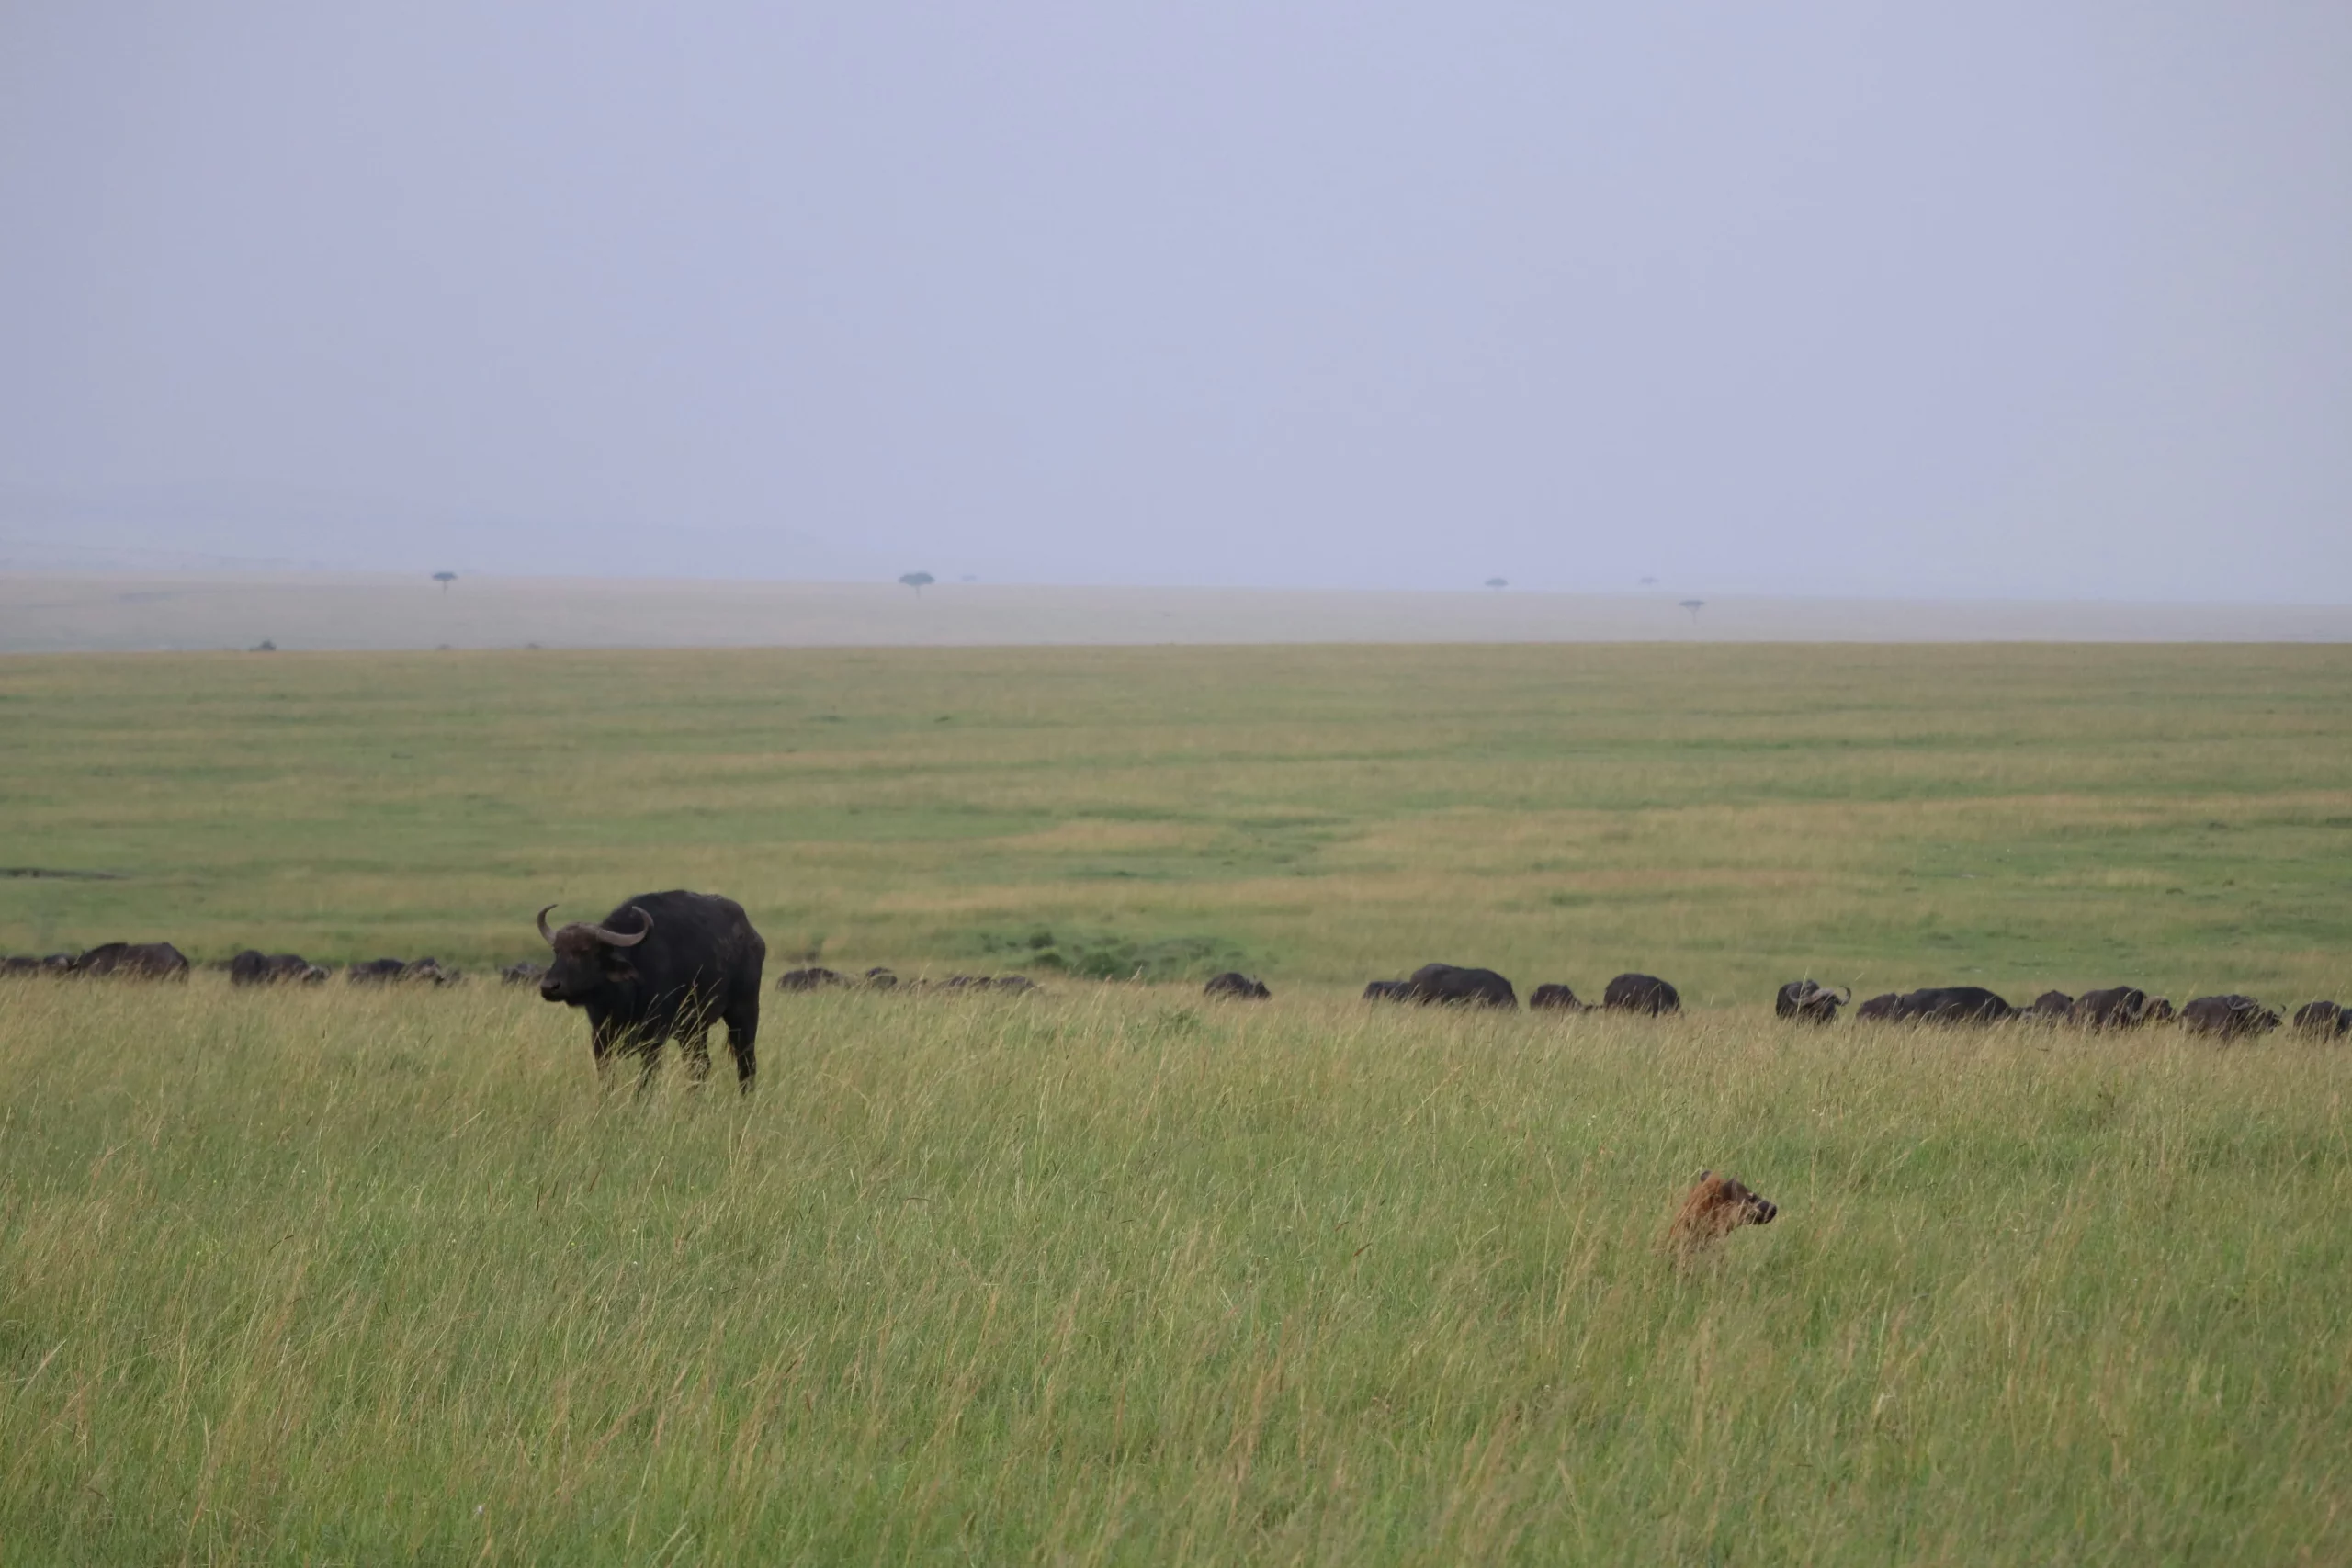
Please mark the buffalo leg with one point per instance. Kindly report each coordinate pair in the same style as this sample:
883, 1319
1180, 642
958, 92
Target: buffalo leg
604, 1039
743, 1032
649, 1057
694, 1046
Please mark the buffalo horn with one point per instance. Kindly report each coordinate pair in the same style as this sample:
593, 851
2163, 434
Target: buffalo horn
625, 939
543, 925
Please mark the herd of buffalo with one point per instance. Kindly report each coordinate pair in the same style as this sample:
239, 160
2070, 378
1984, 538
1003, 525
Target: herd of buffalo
663, 965
2119, 1006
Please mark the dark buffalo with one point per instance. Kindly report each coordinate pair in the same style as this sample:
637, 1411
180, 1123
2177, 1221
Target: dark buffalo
2118, 1007
2160, 1010
18, 964
2054, 1007
880, 979
2325, 1019
810, 979
2228, 1018
404, 971
1954, 1004
1809, 1003
1882, 1006
253, 967
1388, 991
524, 973
1553, 997
1452, 984
662, 964
1233, 983
134, 960
1643, 994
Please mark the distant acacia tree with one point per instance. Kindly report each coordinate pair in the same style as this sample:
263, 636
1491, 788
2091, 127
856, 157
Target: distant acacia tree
918, 581
1694, 606
1498, 582
445, 578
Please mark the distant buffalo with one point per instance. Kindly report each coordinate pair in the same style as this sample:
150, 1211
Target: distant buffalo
2054, 1007
810, 979
2228, 1018
1809, 1003
253, 967
1554, 999
1939, 1004
2323, 1018
880, 979
1956, 1004
1388, 991
134, 960
1452, 984
2118, 1007
23, 964
1233, 983
987, 983
1714, 1207
662, 964
1643, 994
403, 971
524, 973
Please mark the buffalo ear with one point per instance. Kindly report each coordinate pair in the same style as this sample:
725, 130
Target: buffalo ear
616, 967
1704, 1174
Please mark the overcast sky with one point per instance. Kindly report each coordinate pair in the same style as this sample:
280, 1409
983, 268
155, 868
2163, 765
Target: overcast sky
2021, 299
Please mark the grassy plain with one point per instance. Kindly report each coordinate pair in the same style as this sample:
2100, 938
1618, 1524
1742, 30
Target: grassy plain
1115, 1274
1730, 818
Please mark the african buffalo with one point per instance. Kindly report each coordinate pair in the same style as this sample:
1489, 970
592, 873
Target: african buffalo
1641, 993
253, 967
524, 973
1882, 1006
1233, 983
2323, 1018
662, 964
2118, 1007
1388, 991
135, 960
1454, 986
405, 971
1716, 1206
2228, 1018
2054, 1007
1810, 1002
880, 979
17, 964
808, 979
1553, 997
1954, 1004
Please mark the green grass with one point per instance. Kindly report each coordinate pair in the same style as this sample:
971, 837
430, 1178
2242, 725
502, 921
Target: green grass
1115, 1274
1728, 816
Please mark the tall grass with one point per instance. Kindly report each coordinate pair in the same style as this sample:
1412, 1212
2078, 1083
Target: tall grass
1116, 1275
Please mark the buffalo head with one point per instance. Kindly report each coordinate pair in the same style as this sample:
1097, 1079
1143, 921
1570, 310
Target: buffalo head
587, 958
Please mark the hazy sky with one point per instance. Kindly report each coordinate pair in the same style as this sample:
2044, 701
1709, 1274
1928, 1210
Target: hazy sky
1849, 298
